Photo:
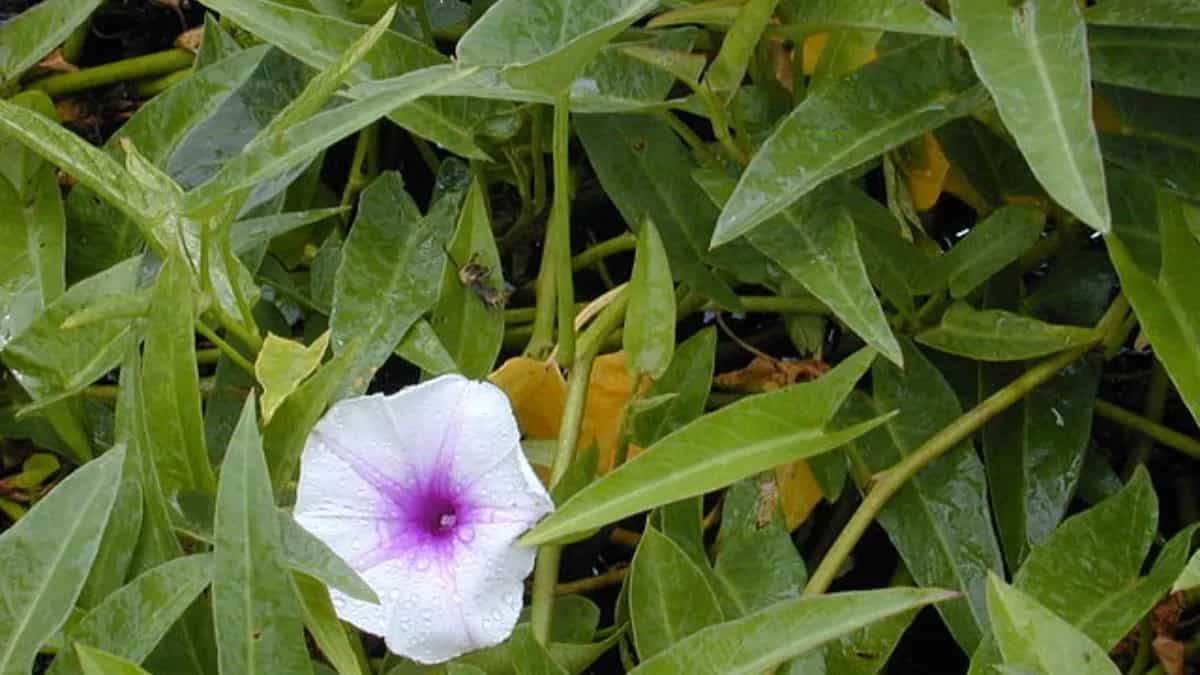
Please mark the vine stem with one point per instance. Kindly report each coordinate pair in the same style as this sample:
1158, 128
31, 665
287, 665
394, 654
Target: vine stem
545, 575
136, 68
1149, 428
560, 220
889, 482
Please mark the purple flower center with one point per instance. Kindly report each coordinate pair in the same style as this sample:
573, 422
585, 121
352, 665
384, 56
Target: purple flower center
435, 513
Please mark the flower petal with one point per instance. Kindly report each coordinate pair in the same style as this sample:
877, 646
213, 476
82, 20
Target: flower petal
461, 603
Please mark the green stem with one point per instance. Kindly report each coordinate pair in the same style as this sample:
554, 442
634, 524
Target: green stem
227, 349
560, 220
359, 173
890, 481
1142, 658
137, 68
153, 87
697, 144
601, 250
545, 576
778, 304
427, 154
1149, 428
720, 126
1155, 406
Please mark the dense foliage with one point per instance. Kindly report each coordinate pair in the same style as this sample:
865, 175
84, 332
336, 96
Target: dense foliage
846, 336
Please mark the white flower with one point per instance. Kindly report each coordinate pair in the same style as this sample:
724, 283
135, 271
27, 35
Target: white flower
424, 493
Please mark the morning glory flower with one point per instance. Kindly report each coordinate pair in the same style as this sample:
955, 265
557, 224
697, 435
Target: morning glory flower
424, 493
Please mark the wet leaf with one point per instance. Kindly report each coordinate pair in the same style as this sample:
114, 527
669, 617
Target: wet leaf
469, 316
998, 335
928, 84
25, 39
751, 644
669, 595
257, 621
382, 285
1032, 57
46, 556
901, 16
940, 521
1146, 13
630, 155
1145, 58
282, 365
990, 246
752, 435
649, 336
131, 621
543, 44
1031, 637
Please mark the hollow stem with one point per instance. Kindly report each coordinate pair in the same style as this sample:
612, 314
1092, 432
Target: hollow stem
227, 349
1149, 428
136, 68
359, 171
1155, 405
609, 578
893, 479
560, 220
545, 575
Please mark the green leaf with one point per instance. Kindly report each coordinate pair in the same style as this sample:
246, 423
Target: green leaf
284, 436
900, 16
319, 40
687, 379
131, 621
383, 283
926, 85
1154, 139
867, 650
544, 44
940, 520
291, 146
31, 213
248, 234
96, 662
814, 242
989, 162
1082, 574
94, 168
46, 556
896, 266
1146, 58
1166, 304
52, 363
1190, 577
257, 621
529, 657
282, 365
469, 317
669, 595
29, 36
422, 348
172, 384
216, 43
303, 552
728, 69
1035, 639
990, 246
998, 335
101, 235
1145, 13
649, 336
631, 154
111, 565
752, 435
322, 622
1032, 57
783, 631
756, 562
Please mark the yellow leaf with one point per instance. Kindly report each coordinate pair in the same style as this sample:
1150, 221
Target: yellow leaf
925, 171
537, 392
764, 374
799, 492
1105, 116
609, 390
813, 46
